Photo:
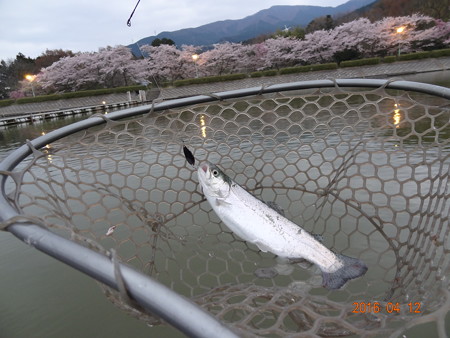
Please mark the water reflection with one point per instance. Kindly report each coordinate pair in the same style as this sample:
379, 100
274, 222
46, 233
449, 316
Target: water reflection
13, 136
203, 125
47, 146
397, 116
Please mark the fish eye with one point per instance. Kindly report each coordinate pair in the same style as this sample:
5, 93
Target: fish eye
215, 172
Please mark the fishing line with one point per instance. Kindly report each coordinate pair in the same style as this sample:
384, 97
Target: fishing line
132, 13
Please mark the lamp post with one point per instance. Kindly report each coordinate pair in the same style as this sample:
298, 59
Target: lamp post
400, 30
195, 58
30, 78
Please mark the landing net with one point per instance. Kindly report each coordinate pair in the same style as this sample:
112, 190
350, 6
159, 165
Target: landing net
366, 167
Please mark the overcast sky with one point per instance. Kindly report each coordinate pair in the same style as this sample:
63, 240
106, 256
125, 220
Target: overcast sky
32, 26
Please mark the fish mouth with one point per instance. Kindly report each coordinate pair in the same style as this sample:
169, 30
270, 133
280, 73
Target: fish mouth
204, 167
203, 170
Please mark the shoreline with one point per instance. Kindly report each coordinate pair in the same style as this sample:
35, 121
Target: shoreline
30, 112
384, 70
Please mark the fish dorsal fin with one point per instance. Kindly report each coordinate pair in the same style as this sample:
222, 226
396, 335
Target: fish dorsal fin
317, 237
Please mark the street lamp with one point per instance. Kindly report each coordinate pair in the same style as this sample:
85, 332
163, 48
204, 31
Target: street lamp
195, 58
30, 78
400, 30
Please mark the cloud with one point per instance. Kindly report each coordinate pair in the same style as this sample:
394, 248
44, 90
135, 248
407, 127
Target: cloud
31, 27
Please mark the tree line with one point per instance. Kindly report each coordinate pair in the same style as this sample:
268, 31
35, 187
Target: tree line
12, 72
361, 38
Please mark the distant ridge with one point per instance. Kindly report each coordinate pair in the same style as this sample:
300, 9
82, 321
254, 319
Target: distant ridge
263, 22
438, 9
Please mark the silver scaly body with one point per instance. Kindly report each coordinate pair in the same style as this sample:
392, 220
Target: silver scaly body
255, 222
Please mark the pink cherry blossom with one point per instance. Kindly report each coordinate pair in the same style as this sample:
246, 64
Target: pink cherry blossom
116, 66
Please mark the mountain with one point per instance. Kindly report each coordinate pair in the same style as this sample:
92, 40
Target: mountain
439, 9
263, 22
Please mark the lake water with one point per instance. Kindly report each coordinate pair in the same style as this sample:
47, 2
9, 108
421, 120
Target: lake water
41, 297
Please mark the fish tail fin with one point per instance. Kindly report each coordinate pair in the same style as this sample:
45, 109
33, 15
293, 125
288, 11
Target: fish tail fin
353, 268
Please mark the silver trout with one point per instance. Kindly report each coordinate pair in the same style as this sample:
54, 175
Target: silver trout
255, 222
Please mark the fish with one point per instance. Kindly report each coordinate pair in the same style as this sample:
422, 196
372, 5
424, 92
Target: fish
189, 156
254, 221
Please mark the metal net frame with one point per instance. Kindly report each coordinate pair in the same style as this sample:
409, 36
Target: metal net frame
363, 163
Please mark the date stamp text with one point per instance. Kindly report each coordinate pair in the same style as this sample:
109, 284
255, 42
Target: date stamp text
390, 307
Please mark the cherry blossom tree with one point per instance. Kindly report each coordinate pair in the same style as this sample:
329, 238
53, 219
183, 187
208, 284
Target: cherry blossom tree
116, 66
418, 32
435, 34
366, 38
224, 58
168, 63
70, 73
163, 61
256, 56
279, 52
191, 67
109, 67
358, 35
318, 47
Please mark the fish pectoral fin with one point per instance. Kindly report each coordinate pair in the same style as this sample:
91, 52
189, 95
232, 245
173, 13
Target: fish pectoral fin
221, 201
297, 260
301, 262
261, 246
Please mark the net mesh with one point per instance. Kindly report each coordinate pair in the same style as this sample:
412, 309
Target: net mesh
368, 170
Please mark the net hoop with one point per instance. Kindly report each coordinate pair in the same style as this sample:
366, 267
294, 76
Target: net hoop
142, 289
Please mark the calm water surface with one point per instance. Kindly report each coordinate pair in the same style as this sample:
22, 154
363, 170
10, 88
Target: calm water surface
41, 297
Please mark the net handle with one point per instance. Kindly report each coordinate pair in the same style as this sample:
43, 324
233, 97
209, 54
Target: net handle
153, 296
